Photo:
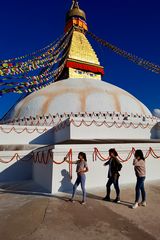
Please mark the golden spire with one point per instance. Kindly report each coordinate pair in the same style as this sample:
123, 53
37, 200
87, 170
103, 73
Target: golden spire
75, 11
81, 60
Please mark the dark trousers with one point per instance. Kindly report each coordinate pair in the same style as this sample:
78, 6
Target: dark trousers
113, 180
140, 189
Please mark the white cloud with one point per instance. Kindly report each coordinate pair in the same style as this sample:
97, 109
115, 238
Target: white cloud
156, 112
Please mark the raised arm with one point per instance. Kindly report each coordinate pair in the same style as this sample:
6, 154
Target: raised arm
138, 162
134, 161
73, 162
106, 163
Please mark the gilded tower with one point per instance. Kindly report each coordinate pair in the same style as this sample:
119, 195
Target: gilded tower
81, 60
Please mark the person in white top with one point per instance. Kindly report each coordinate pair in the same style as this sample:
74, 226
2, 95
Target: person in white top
81, 169
140, 171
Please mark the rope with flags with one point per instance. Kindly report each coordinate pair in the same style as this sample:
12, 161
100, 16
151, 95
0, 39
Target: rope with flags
137, 60
39, 69
16, 68
35, 85
33, 53
50, 50
46, 73
17, 77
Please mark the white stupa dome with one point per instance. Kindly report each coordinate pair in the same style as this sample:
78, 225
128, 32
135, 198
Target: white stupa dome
78, 95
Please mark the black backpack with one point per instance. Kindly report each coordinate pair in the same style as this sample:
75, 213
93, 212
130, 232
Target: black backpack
119, 167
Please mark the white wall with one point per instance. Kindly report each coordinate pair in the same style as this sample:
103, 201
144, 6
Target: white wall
97, 175
14, 134
156, 131
94, 132
43, 173
55, 178
15, 170
69, 129
62, 133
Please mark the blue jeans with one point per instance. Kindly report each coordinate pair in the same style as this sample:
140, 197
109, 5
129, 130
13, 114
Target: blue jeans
81, 179
140, 188
113, 180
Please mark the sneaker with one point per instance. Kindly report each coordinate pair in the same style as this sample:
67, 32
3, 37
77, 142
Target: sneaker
83, 202
135, 205
143, 203
117, 200
106, 199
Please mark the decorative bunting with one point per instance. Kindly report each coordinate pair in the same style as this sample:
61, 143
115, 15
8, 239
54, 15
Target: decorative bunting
15, 68
137, 60
28, 84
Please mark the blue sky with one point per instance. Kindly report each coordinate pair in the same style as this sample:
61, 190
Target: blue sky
133, 25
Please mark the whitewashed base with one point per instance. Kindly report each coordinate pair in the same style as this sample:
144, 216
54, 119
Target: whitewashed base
55, 178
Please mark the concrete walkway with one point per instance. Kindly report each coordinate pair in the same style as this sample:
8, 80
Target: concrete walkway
33, 217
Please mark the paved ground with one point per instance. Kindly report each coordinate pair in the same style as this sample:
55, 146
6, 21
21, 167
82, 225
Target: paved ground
31, 217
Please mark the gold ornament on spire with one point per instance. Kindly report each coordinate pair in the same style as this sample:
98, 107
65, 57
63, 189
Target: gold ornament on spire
75, 11
74, 3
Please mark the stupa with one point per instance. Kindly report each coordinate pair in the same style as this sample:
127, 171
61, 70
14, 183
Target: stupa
79, 83
79, 111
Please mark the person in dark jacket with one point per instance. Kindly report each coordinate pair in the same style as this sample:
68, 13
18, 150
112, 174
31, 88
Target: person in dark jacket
113, 175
